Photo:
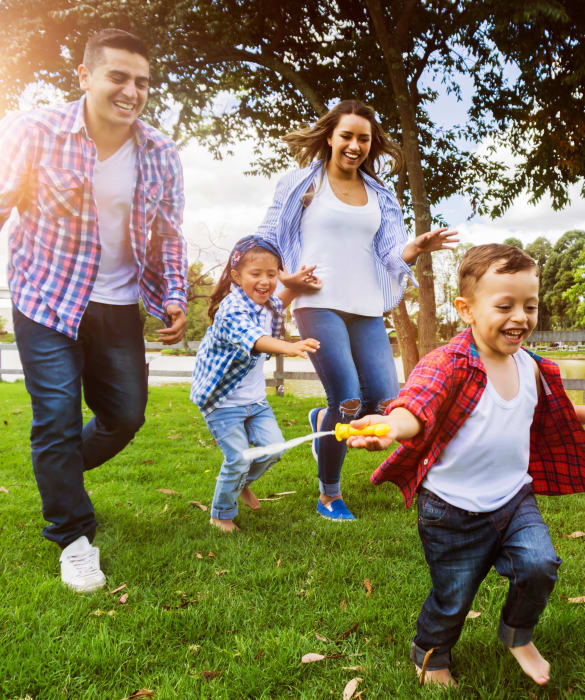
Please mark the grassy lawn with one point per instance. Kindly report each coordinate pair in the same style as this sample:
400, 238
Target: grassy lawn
215, 616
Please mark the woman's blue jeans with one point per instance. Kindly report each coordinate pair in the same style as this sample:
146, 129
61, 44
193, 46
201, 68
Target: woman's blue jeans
460, 548
107, 359
235, 428
356, 367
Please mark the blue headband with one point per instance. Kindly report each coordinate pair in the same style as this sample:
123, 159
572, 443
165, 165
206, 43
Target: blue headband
247, 243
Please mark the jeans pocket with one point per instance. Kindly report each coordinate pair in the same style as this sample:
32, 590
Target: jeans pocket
431, 508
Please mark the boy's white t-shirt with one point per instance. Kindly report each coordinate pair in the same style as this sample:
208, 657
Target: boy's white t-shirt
252, 388
338, 238
113, 184
486, 463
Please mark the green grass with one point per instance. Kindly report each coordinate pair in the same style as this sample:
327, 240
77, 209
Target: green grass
253, 609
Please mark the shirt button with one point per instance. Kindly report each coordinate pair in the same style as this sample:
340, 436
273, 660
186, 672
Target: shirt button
425, 461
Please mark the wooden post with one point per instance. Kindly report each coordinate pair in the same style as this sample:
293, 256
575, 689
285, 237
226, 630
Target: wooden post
279, 375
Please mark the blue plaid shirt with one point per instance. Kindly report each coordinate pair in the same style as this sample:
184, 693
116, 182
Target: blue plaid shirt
225, 355
282, 228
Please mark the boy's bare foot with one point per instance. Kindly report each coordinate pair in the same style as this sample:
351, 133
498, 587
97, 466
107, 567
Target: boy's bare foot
440, 676
224, 525
532, 663
249, 498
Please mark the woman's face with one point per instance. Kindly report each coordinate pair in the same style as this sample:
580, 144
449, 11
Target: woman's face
350, 143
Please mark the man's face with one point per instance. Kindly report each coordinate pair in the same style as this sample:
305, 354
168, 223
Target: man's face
116, 88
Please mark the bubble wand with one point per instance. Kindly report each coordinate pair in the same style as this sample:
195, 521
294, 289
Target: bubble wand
342, 432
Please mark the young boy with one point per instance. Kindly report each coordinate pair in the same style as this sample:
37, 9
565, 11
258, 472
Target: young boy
484, 425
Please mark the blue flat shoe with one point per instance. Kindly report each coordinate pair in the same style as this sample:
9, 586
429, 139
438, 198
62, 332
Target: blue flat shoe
336, 510
313, 413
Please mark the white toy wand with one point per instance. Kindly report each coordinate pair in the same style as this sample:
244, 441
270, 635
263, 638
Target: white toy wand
342, 432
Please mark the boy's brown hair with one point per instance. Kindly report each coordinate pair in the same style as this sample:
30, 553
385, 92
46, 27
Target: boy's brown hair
478, 259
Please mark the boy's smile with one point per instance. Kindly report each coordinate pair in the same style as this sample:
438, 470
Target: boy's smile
257, 276
502, 310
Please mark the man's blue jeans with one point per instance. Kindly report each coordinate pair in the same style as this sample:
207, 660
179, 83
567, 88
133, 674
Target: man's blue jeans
235, 428
107, 359
460, 548
356, 367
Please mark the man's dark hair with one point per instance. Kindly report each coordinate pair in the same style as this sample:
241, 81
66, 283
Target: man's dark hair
114, 39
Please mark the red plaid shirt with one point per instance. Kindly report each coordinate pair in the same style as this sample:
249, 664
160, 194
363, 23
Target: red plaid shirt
442, 391
46, 173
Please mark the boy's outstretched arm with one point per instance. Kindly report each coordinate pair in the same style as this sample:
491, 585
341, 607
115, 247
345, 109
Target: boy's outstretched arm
403, 426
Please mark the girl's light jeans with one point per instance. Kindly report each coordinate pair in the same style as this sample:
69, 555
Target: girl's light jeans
235, 428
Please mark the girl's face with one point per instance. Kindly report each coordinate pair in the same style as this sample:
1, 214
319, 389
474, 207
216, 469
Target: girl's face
257, 275
350, 143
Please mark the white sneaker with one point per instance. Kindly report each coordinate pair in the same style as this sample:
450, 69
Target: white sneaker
80, 566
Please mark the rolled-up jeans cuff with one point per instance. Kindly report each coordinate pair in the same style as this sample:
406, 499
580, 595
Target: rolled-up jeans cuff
514, 636
437, 660
330, 490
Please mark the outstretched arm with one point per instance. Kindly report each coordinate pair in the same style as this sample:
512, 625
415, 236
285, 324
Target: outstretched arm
438, 239
403, 426
267, 343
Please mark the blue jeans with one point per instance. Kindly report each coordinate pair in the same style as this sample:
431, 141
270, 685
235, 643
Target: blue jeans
235, 428
107, 359
460, 548
356, 367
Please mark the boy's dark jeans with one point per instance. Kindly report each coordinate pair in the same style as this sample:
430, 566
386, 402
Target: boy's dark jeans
108, 360
460, 548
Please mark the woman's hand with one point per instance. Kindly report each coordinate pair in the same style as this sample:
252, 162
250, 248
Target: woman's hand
439, 239
302, 281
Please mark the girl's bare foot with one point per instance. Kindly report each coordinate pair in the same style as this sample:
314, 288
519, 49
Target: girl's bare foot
532, 663
224, 525
249, 498
440, 676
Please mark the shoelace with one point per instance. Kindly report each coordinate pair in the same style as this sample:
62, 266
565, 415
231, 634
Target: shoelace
85, 563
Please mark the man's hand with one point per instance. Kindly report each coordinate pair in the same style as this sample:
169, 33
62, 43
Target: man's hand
172, 335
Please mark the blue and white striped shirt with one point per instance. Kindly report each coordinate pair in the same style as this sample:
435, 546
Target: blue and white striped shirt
282, 227
225, 355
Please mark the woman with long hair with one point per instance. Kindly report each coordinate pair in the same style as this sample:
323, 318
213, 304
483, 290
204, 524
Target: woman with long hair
335, 213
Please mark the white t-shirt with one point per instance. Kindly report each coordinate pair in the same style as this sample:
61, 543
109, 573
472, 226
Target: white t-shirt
338, 238
252, 388
486, 463
113, 184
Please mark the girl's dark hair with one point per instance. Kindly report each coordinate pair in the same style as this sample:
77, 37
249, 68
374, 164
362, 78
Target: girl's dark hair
310, 143
223, 286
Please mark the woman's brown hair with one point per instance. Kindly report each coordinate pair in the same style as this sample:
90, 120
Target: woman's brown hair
310, 143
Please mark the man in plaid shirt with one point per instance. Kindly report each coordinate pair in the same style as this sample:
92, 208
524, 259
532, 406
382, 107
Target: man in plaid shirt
92, 199
483, 425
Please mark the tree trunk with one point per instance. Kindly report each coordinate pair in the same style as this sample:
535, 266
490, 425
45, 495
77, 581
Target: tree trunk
390, 45
406, 335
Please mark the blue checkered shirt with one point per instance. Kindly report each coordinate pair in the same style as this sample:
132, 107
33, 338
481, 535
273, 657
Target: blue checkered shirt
226, 354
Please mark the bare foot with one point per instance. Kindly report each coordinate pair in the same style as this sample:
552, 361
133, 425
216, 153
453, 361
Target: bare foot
440, 676
224, 525
532, 663
250, 499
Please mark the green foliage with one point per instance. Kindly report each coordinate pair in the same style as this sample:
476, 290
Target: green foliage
540, 249
250, 610
558, 277
514, 241
200, 287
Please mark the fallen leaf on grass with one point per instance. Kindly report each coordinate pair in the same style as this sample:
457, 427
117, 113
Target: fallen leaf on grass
147, 461
311, 658
472, 614
343, 604
302, 593
320, 637
97, 613
200, 505
351, 687
368, 585
208, 675
142, 693
111, 613
260, 654
579, 599
164, 510
211, 554
574, 535
169, 492
4, 490
174, 436
361, 669
195, 648
278, 563
221, 572
352, 629
123, 599
199, 555
117, 590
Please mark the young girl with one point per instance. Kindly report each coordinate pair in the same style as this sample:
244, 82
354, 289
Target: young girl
228, 381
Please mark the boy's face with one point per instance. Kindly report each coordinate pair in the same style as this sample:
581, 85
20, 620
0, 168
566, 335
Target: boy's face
502, 310
116, 88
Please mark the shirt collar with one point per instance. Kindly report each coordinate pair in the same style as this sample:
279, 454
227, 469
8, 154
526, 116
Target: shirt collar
463, 344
